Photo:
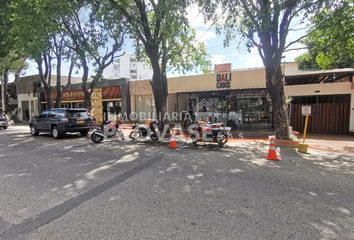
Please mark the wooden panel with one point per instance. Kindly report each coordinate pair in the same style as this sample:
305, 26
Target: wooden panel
328, 118
346, 109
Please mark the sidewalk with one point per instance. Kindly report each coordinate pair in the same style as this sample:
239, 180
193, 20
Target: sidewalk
335, 143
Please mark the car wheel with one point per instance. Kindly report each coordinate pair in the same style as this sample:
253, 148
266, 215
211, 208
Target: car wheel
34, 132
5, 127
55, 132
84, 133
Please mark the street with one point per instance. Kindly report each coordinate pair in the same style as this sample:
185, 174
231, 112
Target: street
71, 188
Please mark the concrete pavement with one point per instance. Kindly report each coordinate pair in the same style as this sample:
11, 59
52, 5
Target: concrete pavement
74, 189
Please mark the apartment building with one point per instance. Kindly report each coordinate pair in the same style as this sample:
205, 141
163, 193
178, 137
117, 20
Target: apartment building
127, 66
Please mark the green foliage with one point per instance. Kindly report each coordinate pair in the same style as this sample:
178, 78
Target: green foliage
330, 39
261, 24
165, 32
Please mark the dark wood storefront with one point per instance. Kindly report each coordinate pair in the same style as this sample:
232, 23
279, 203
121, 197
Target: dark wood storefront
330, 114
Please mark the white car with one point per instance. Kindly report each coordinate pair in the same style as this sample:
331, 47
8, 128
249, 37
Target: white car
3, 122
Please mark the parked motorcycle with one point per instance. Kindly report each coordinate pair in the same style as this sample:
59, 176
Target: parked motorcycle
210, 133
97, 135
142, 131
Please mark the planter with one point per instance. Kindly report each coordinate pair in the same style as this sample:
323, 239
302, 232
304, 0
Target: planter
286, 143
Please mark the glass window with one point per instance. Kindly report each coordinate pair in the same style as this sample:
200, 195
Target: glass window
43, 114
145, 107
57, 113
82, 114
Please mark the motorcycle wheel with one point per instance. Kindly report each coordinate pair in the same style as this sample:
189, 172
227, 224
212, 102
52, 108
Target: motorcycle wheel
135, 135
111, 131
224, 140
96, 138
193, 136
154, 137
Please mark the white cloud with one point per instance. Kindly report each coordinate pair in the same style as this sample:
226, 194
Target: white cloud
196, 18
205, 35
217, 58
251, 59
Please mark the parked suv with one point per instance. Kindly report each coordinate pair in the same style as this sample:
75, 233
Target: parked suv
59, 121
3, 122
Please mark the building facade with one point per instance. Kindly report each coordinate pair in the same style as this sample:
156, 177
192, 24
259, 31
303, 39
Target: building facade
109, 100
240, 98
127, 66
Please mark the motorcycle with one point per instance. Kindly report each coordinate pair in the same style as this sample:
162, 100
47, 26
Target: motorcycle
202, 131
142, 131
97, 134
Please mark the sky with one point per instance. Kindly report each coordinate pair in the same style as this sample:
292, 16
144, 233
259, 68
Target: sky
236, 53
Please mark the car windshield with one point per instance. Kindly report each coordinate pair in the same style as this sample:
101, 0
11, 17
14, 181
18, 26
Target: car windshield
2, 118
78, 114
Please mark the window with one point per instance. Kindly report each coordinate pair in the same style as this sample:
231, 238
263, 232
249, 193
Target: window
78, 114
57, 113
43, 114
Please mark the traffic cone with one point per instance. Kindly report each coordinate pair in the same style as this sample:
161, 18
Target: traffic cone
272, 154
173, 141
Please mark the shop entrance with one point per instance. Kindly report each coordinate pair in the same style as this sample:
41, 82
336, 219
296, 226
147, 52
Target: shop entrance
111, 110
239, 109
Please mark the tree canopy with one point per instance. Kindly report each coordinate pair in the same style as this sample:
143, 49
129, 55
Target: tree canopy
330, 39
163, 36
264, 25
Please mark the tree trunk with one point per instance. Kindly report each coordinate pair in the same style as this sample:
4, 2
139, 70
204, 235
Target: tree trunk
87, 100
59, 89
50, 100
159, 87
5, 92
275, 86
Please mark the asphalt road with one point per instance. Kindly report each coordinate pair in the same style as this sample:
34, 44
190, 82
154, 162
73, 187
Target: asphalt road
72, 188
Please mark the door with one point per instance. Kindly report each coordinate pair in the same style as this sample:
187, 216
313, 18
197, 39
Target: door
41, 121
25, 111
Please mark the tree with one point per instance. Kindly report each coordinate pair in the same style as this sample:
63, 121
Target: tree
264, 24
12, 63
330, 39
11, 60
93, 36
38, 36
162, 35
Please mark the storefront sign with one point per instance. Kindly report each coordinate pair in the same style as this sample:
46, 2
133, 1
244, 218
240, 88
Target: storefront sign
70, 95
223, 80
111, 93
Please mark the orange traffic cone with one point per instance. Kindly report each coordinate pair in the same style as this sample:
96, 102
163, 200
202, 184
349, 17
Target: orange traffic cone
272, 154
173, 141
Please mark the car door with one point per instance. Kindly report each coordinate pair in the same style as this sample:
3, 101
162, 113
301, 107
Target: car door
41, 121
